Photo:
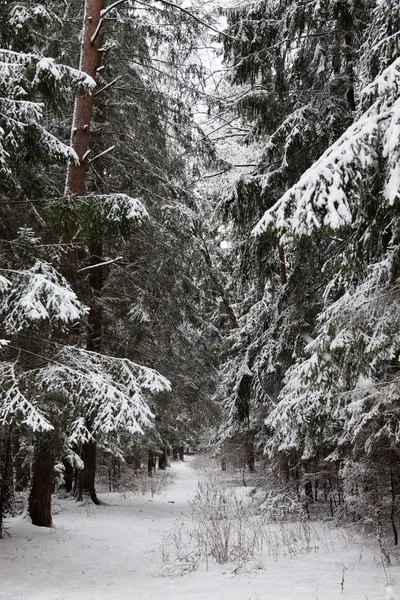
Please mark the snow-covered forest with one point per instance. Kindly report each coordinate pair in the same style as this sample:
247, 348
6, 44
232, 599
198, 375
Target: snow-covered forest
200, 252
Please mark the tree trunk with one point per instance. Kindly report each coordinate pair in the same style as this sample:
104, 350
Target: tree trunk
137, 463
150, 464
163, 460
42, 482
181, 453
116, 474
21, 465
218, 286
282, 264
86, 477
68, 476
347, 26
86, 480
95, 318
6, 484
249, 453
89, 63
393, 507
308, 490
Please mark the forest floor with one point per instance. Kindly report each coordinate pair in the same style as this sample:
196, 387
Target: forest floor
112, 552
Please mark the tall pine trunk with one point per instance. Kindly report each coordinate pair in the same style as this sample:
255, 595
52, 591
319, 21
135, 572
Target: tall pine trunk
76, 184
89, 63
86, 480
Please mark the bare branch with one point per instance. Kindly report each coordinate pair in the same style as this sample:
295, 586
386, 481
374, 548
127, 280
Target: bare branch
101, 264
102, 154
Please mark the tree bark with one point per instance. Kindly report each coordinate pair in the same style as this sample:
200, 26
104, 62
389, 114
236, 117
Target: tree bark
86, 483
86, 477
68, 476
95, 318
347, 25
137, 464
150, 464
89, 63
282, 264
163, 460
218, 286
21, 465
42, 482
249, 453
181, 453
6, 486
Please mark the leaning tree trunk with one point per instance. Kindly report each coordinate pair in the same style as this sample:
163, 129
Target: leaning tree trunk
42, 481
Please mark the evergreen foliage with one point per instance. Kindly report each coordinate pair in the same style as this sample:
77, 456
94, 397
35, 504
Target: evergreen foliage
316, 358
236, 231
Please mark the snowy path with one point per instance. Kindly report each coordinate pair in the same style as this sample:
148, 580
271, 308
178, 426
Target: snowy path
105, 553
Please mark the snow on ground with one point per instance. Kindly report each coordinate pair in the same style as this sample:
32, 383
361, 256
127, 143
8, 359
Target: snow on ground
108, 553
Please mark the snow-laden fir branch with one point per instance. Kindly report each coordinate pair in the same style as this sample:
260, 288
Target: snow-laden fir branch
109, 392
15, 406
327, 195
109, 215
39, 294
335, 395
21, 112
116, 207
48, 70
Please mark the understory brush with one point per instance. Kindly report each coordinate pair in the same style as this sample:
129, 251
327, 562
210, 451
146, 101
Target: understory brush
226, 526
133, 482
143, 485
